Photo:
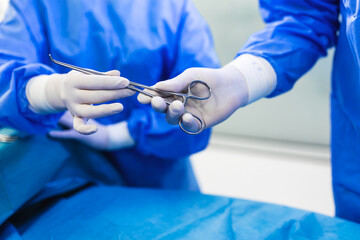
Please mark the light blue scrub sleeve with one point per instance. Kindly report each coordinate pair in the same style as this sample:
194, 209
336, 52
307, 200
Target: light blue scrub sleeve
297, 33
19, 50
194, 47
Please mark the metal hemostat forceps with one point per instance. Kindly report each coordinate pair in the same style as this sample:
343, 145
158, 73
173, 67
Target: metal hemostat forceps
136, 87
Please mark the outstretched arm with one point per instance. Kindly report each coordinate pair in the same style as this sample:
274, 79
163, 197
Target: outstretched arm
296, 35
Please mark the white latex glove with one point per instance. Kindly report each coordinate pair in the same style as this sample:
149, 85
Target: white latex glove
77, 92
244, 80
107, 138
223, 102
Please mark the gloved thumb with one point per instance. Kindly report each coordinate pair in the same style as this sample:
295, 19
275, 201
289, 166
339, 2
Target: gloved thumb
179, 83
176, 84
80, 126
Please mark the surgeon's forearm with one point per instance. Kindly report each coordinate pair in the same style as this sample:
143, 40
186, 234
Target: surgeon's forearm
258, 73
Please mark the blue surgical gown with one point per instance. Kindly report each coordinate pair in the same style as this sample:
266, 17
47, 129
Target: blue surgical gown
297, 33
148, 41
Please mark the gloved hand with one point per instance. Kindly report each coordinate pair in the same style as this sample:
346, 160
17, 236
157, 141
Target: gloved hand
229, 92
77, 92
240, 82
107, 138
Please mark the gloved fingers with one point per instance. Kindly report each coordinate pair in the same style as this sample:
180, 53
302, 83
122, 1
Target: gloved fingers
97, 111
67, 120
175, 110
101, 96
142, 98
96, 82
80, 126
113, 73
110, 73
158, 104
179, 83
74, 72
190, 123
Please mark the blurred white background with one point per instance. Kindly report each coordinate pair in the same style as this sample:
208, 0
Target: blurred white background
275, 150
3, 4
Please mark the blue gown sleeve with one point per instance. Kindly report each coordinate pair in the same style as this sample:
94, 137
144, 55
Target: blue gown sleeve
297, 33
194, 48
21, 50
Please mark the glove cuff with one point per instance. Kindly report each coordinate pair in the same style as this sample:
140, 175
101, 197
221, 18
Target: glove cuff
258, 73
36, 94
119, 136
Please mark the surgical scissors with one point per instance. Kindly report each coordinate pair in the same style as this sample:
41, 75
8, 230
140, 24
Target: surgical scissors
135, 87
